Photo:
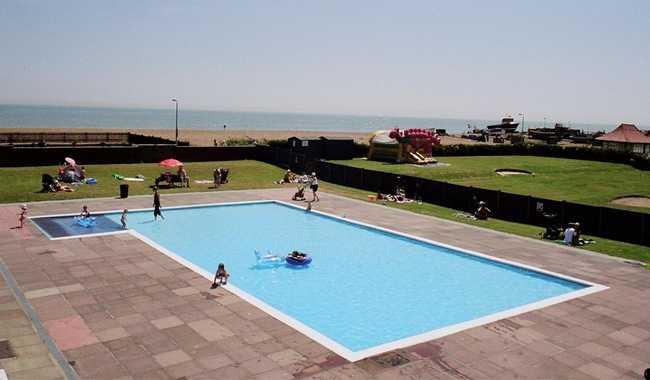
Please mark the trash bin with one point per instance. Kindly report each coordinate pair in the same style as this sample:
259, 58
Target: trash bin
124, 190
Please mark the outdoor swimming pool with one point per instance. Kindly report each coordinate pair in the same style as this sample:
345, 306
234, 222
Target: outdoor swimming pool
366, 291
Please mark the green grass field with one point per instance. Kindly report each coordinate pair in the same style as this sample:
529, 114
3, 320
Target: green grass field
579, 181
23, 184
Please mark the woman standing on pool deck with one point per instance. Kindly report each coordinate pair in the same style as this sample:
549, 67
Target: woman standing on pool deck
156, 204
313, 185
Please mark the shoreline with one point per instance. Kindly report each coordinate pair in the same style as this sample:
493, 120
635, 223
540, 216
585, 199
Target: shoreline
200, 137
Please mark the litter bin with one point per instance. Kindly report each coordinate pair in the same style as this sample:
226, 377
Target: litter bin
124, 190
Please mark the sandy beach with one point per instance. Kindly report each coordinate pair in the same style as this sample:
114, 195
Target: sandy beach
207, 138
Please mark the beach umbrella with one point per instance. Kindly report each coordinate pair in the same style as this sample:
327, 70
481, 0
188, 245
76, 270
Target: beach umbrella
170, 163
70, 161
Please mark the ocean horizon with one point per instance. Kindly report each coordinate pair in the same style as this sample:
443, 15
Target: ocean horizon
49, 116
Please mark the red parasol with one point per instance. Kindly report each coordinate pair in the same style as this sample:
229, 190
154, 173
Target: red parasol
170, 163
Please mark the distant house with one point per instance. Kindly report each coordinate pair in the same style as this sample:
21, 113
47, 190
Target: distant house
627, 137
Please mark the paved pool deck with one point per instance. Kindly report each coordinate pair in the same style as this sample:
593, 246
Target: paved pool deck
119, 309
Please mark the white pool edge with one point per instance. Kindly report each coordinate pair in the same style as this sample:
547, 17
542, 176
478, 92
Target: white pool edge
328, 343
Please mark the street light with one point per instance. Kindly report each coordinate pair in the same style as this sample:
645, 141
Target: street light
176, 101
522, 121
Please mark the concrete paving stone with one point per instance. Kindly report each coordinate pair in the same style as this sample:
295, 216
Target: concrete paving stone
627, 363
599, 371
594, 349
167, 322
215, 361
625, 337
140, 329
25, 363
184, 336
286, 357
112, 334
184, 370
210, 329
141, 366
269, 346
259, 365
242, 354
131, 319
38, 293
186, 291
170, 358
43, 373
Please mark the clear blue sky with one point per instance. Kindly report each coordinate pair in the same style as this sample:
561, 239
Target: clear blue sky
566, 60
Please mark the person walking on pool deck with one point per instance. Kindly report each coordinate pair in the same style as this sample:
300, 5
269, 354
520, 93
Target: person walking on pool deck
313, 185
221, 275
123, 218
22, 216
156, 204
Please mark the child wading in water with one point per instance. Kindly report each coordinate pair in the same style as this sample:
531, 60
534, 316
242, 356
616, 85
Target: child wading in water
221, 275
156, 205
123, 218
22, 216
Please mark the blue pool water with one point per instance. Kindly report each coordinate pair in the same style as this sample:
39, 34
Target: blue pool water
68, 226
365, 287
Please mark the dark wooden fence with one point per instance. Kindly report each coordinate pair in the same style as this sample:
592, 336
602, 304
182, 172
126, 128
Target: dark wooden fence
606, 222
81, 138
40, 156
65, 137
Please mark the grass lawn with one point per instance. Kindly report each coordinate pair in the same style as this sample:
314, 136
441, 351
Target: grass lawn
605, 246
23, 184
579, 181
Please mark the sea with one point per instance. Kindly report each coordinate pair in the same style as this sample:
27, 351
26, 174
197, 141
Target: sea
31, 116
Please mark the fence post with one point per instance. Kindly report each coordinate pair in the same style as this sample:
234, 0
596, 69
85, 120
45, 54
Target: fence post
497, 207
528, 199
600, 221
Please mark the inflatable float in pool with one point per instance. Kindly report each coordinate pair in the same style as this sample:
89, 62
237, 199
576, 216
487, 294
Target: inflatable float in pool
297, 258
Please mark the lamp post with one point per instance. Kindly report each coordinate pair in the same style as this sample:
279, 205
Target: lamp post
522, 121
176, 101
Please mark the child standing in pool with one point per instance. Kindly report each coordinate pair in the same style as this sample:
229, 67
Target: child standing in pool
123, 218
85, 213
22, 216
221, 275
156, 205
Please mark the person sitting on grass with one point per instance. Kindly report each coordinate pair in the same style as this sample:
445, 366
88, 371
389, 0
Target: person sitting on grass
572, 235
183, 176
221, 275
216, 174
482, 212
289, 177
569, 234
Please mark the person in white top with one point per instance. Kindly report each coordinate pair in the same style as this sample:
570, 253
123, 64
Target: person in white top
313, 185
569, 234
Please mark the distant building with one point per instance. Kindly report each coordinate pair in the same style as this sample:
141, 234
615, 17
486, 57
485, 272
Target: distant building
627, 137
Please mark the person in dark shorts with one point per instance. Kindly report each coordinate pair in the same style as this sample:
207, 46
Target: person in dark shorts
156, 204
313, 185
221, 275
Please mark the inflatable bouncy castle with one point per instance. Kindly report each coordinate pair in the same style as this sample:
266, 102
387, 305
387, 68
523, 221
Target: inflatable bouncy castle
409, 145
